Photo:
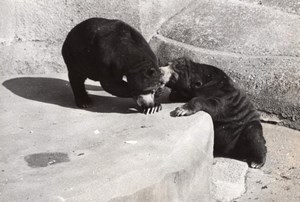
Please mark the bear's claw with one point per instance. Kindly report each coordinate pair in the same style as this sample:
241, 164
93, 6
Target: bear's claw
181, 111
152, 110
84, 103
256, 165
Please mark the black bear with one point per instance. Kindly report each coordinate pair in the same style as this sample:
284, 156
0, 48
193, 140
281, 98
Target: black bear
107, 50
238, 131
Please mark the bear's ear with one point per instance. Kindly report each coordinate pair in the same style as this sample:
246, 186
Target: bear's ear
151, 72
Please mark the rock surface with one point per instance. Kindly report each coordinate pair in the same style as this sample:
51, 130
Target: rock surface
52, 151
235, 27
290, 6
228, 179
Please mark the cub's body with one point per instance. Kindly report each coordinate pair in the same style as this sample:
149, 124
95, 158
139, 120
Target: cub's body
237, 127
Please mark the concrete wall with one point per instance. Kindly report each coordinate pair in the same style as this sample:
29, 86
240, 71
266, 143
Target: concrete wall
32, 31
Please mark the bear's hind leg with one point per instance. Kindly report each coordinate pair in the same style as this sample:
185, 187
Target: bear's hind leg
82, 99
251, 145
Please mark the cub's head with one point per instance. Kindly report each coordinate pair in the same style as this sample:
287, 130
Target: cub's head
177, 74
144, 80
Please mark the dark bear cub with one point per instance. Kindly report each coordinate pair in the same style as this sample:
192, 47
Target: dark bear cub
107, 50
238, 131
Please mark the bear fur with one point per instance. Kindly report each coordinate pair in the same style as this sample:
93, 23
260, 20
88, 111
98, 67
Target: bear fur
107, 50
237, 127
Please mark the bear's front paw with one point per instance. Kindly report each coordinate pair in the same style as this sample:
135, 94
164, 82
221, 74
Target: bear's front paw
84, 102
150, 110
182, 111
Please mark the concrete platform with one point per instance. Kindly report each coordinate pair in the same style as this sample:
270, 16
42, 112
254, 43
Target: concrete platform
258, 46
52, 151
279, 179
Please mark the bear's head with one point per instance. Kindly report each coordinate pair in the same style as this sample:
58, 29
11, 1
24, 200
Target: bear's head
144, 80
177, 73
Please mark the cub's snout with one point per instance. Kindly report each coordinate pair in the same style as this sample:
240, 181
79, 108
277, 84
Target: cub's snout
167, 73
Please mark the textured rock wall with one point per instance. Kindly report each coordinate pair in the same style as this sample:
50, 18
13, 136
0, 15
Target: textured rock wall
32, 31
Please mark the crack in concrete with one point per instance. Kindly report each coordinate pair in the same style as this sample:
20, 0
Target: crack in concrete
245, 185
165, 21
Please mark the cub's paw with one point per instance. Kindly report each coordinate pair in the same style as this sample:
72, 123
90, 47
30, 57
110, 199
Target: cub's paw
256, 163
257, 155
84, 102
182, 111
151, 110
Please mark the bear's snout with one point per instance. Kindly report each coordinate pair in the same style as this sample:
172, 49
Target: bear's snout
146, 100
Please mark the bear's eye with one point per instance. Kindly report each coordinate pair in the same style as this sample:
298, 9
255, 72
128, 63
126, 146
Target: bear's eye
197, 84
151, 72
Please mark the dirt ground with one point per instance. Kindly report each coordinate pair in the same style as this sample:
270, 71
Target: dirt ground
279, 179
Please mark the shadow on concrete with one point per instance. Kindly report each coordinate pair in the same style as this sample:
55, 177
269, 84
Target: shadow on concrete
58, 92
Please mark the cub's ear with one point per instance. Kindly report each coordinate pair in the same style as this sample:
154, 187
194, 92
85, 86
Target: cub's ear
196, 84
181, 63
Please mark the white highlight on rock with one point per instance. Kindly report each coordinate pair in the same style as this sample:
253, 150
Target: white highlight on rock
131, 142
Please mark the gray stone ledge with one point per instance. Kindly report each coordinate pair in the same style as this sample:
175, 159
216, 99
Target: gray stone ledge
105, 153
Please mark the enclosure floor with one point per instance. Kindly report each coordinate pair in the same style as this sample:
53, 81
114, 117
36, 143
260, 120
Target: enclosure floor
51, 150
